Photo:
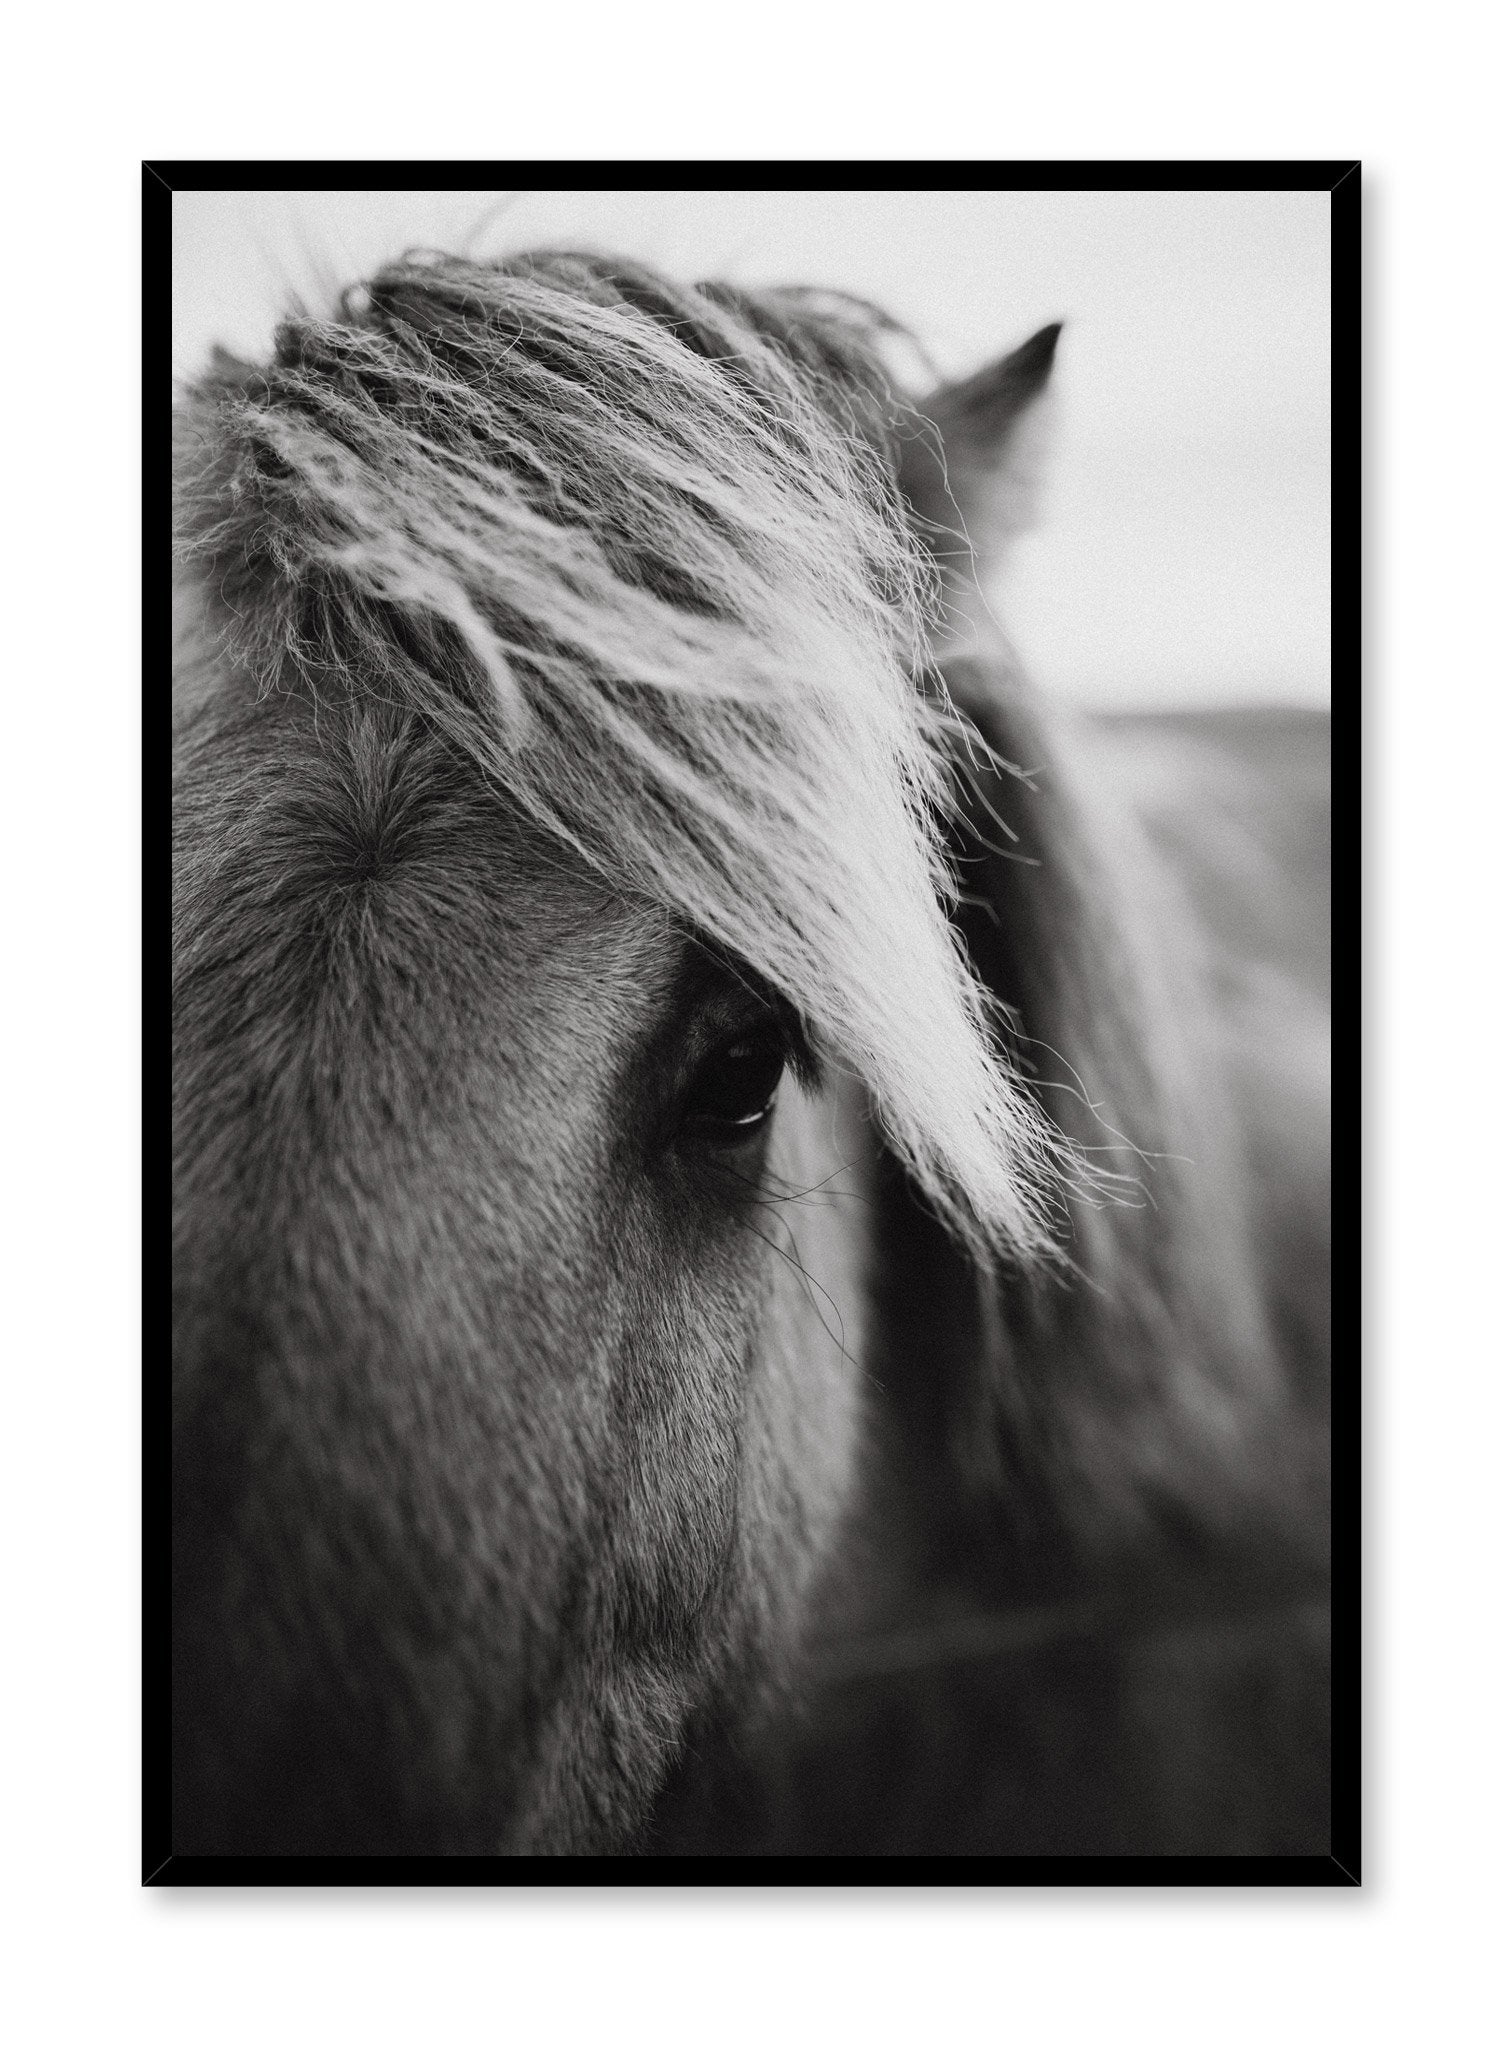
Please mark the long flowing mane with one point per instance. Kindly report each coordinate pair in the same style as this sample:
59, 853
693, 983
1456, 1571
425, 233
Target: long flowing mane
618, 544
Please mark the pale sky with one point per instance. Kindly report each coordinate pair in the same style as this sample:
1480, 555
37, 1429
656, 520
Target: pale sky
1181, 554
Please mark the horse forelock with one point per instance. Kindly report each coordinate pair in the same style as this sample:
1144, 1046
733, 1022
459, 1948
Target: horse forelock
634, 550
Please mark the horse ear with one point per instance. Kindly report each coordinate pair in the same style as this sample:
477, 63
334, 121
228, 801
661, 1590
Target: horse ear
969, 470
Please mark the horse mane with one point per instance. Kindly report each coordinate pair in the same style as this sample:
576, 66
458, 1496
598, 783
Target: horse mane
636, 551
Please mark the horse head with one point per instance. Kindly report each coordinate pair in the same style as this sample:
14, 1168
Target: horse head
569, 797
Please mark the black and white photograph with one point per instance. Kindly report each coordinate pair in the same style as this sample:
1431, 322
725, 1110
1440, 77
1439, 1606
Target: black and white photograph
751, 1025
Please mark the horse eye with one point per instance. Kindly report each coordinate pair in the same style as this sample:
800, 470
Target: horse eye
731, 1095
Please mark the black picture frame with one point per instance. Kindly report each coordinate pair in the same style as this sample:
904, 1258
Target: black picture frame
1341, 179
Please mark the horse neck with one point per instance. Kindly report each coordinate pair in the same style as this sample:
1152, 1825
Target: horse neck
1133, 1401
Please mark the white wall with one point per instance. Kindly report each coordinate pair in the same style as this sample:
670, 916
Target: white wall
1183, 545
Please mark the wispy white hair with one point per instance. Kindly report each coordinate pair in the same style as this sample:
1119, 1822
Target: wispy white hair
631, 548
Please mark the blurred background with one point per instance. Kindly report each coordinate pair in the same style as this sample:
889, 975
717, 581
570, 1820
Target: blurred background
1180, 557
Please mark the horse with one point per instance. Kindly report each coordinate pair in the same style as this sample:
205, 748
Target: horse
746, 1278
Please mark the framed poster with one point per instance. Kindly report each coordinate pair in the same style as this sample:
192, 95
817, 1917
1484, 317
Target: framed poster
752, 875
